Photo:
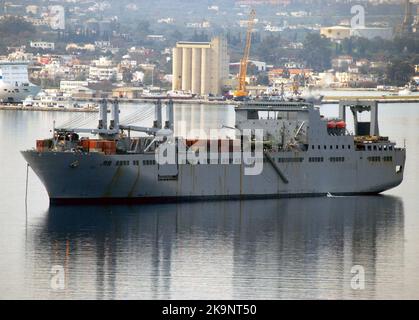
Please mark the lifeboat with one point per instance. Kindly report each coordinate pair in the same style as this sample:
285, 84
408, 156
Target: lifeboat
341, 125
331, 125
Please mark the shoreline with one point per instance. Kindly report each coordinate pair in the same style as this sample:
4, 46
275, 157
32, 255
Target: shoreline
19, 107
382, 99
327, 100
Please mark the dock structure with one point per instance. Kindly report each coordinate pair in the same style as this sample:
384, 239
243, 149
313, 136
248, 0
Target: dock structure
20, 107
217, 103
381, 100
269, 104
358, 106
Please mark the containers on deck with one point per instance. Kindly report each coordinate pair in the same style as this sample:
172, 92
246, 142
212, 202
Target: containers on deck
99, 145
43, 145
85, 145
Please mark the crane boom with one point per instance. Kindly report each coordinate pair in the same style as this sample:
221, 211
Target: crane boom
241, 90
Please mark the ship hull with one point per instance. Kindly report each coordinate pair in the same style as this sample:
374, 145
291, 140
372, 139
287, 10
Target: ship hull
16, 94
91, 178
180, 199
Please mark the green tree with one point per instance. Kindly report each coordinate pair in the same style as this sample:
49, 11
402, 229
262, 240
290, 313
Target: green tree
15, 32
15, 26
127, 76
263, 79
317, 52
268, 49
399, 72
143, 26
142, 30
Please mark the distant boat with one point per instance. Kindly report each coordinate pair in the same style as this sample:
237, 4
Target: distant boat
153, 95
386, 88
405, 92
56, 100
314, 98
179, 94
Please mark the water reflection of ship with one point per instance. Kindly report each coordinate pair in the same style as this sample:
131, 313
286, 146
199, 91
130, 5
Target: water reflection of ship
289, 248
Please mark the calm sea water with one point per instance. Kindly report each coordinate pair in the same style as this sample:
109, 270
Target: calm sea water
276, 249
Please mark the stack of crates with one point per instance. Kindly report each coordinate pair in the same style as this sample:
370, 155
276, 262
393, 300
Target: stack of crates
99, 145
43, 145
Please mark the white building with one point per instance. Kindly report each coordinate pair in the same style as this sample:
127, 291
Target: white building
156, 37
103, 69
260, 65
42, 45
199, 25
138, 76
87, 47
338, 33
32, 9
272, 28
214, 8
102, 73
70, 85
166, 20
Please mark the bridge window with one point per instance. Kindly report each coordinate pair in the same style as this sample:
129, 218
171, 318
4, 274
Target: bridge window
122, 163
388, 159
149, 162
374, 159
315, 159
337, 159
288, 160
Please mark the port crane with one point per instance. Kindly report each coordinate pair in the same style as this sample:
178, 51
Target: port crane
241, 93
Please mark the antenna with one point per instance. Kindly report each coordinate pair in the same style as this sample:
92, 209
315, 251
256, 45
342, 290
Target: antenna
170, 116
114, 124
103, 115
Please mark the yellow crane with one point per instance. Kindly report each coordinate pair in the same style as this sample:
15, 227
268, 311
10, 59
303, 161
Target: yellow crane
241, 92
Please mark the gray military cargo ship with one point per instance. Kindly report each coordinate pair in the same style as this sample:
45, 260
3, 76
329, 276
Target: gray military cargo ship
301, 154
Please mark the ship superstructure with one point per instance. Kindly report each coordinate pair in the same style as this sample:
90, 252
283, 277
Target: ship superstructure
301, 154
14, 82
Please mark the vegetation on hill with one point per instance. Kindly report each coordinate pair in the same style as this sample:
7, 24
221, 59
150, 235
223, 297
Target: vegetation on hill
14, 32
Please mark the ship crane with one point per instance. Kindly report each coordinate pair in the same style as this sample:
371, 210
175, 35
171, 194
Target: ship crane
114, 126
241, 92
